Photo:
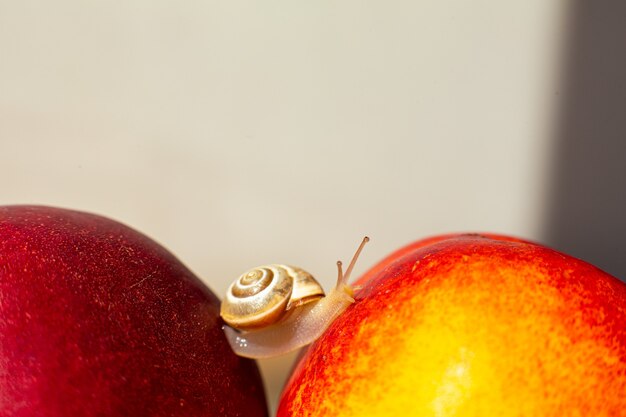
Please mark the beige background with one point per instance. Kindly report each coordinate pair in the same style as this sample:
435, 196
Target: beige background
242, 133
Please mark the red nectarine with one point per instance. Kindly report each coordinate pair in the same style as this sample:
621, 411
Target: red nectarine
98, 320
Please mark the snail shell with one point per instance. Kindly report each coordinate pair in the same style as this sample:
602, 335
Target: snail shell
266, 294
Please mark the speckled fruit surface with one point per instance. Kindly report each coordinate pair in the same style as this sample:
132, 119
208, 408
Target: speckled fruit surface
98, 320
471, 325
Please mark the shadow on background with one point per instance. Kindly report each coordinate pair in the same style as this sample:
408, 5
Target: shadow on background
587, 203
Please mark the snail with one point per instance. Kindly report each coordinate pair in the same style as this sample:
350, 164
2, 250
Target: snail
274, 309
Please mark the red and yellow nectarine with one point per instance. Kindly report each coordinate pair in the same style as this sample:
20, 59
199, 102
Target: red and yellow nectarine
471, 325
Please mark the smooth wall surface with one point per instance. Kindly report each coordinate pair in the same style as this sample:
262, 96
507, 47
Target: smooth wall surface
587, 196
239, 134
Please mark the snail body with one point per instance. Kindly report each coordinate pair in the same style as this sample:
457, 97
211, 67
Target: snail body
288, 313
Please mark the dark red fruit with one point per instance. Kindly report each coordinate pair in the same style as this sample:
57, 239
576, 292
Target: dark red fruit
98, 320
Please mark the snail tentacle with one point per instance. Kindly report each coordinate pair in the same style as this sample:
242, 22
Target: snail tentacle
346, 277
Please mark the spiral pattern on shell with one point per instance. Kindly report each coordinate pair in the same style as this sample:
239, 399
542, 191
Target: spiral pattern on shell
261, 296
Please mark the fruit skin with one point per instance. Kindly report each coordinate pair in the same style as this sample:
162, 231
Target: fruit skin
98, 320
471, 325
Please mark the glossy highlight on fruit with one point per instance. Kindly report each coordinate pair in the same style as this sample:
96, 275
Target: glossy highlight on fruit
471, 325
97, 320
